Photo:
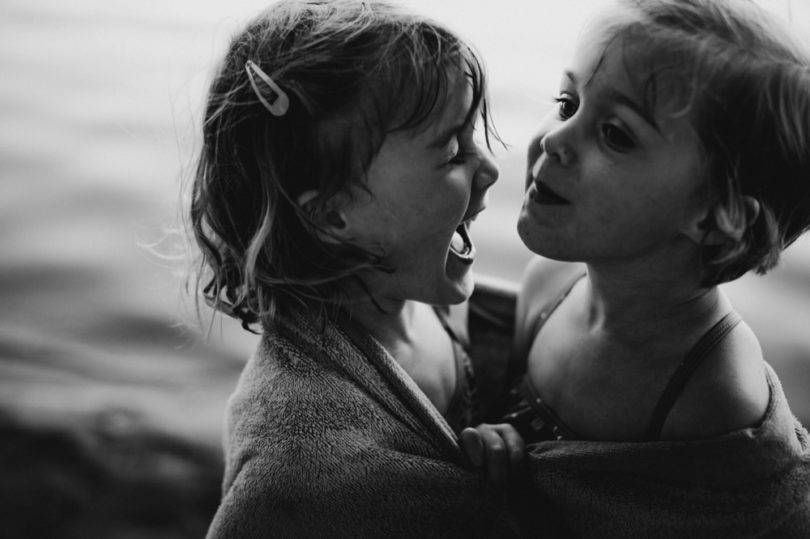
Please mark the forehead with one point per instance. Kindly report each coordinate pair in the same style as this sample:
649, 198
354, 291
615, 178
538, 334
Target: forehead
452, 112
456, 106
599, 58
452, 107
609, 61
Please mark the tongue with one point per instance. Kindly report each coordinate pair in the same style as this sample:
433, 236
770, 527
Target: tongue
457, 243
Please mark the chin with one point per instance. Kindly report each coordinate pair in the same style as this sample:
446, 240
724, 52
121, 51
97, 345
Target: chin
542, 245
464, 289
453, 291
529, 235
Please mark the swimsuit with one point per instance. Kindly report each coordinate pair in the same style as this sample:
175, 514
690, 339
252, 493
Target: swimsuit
461, 411
536, 421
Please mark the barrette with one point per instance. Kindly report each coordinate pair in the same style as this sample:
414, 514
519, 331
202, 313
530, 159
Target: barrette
279, 102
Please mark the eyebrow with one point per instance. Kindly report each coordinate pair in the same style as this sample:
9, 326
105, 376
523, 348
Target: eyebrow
624, 100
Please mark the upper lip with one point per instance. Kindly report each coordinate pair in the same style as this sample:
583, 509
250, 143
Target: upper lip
533, 177
541, 185
472, 213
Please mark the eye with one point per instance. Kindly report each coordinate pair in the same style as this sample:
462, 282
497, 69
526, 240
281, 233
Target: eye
458, 156
567, 107
461, 156
465, 149
458, 159
617, 138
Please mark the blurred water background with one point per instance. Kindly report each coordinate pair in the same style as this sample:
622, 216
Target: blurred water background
107, 392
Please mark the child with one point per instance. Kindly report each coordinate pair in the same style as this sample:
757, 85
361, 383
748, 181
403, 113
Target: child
336, 184
678, 159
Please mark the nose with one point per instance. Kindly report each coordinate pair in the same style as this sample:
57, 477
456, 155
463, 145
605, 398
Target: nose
487, 172
557, 145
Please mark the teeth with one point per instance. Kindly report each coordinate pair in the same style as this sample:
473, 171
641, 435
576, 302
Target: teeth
457, 244
461, 244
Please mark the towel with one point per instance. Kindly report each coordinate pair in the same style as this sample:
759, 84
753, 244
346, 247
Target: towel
326, 435
750, 482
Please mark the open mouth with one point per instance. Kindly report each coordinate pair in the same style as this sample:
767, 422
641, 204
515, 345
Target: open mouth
543, 194
461, 245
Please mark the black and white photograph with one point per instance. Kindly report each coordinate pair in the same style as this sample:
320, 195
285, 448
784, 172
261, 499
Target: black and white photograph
404, 268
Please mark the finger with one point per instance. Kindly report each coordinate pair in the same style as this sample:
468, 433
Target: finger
497, 458
515, 446
473, 446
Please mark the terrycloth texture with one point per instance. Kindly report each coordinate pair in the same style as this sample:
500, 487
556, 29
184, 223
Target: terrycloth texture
327, 436
751, 482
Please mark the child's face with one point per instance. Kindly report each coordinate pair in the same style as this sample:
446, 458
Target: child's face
607, 181
422, 186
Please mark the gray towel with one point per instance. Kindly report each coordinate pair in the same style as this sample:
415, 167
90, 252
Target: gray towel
751, 482
327, 436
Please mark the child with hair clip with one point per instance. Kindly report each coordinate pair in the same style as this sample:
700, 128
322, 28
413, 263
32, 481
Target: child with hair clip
677, 159
336, 183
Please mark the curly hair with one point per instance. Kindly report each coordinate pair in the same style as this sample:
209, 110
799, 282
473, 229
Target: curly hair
745, 85
354, 71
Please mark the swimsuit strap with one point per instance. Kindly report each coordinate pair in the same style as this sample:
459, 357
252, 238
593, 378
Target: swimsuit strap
552, 306
545, 314
558, 427
518, 366
685, 370
461, 410
452, 326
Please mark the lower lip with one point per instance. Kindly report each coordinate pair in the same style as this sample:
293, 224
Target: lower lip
535, 196
465, 259
454, 259
539, 208
458, 271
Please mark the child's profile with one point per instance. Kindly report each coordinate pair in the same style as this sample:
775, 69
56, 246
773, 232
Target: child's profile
337, 181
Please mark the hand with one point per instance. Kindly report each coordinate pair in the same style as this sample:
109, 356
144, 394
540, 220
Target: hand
498, 448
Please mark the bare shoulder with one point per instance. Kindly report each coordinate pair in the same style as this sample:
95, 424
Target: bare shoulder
543, 280
729, 391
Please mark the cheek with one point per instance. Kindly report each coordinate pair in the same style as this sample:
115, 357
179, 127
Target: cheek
442, 201
627, 197
371, 224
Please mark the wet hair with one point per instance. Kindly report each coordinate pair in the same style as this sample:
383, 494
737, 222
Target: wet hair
354, 72
744, 84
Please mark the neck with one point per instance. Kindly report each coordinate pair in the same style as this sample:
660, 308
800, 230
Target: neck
631, 296
388, 321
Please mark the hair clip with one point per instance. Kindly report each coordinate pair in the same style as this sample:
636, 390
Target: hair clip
280, 102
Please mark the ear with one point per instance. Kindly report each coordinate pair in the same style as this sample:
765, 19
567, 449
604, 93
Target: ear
724, 224
328, 217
